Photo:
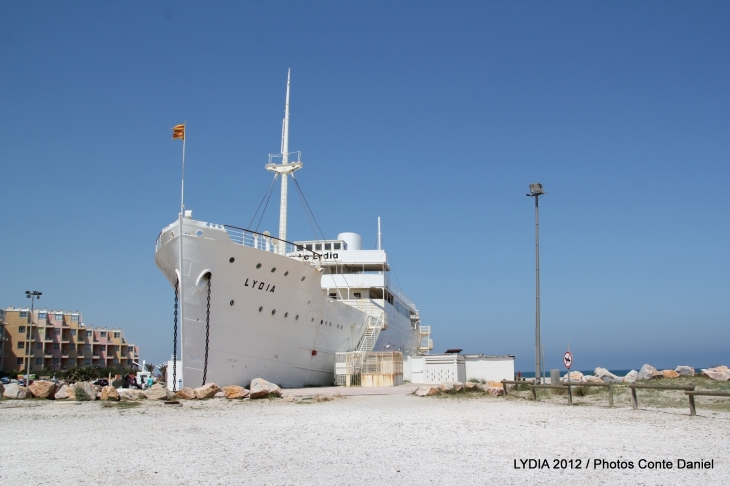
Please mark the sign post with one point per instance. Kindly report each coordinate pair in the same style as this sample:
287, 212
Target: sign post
568, 362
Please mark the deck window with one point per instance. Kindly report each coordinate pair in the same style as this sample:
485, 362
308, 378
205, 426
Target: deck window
309, 247
327, 246
337, 246
318, 247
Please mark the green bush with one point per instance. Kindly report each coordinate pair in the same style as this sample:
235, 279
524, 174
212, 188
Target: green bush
81, 395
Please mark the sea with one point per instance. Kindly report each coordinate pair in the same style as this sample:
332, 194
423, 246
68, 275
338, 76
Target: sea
563, 371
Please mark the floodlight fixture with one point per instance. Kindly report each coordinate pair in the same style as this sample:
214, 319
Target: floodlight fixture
536, 190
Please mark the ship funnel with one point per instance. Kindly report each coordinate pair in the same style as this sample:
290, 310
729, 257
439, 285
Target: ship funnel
352, 240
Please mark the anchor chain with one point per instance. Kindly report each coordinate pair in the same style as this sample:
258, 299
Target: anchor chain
207, 332
174, 342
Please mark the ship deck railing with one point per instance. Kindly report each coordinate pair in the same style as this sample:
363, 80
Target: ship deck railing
272, 244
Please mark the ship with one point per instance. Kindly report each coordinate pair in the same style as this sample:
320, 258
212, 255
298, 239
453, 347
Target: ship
251, 305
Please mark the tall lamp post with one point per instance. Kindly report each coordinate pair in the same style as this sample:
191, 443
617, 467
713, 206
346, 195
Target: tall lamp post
32, 296
536, 191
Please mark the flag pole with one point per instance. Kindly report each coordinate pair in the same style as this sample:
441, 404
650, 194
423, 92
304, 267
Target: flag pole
181, 287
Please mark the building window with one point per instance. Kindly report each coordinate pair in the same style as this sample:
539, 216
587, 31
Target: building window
21, 345
24, 314
116, 334
19, 361
41, 315
116, 348
58, 331
39, 361
59, 317
56, 346
55, 361
88, 333
39, 345
87, 361
131, 349
74, 318
87, 347
124, 351
73, 332
102, 334
21, 329
116, 361
357, 295
71, 361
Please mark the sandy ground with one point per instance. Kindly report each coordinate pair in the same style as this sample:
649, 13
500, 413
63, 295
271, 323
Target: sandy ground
383, 439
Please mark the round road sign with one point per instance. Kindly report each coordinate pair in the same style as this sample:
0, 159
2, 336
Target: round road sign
568, 359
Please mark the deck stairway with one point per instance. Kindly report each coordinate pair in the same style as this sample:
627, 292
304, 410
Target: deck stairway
425, 335
368, 340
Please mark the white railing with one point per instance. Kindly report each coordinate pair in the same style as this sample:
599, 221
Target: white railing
269, 243
279, 158
395, 290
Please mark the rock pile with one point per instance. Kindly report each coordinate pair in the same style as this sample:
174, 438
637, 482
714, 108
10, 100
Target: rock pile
493, 388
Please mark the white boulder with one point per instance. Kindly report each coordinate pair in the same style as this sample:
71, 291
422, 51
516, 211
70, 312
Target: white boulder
427, 390
13, 390
606, 376
631, 377
647, 372
261, 388
61, 393
574, 376
685, 370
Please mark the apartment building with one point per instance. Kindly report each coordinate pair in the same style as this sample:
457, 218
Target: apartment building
59, 340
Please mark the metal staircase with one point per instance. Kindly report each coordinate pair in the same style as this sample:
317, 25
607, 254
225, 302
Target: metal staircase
368, 340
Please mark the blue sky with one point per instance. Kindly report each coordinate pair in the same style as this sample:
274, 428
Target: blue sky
433, 115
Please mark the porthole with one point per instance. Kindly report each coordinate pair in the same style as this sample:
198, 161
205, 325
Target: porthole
286, 314
286, 273
303, 278
258, 265
297, 317
273, 312
232, 302
199, 233
231, 260
273, 270
312, 319
321, 322
260, 309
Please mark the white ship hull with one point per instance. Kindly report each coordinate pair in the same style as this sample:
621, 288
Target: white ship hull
263, 323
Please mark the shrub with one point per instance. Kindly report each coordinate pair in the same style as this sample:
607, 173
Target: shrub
81, 395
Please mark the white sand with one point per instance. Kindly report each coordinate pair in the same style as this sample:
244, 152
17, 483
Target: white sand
392, 439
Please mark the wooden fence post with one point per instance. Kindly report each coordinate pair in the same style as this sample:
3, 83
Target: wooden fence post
634, 401
504, 386
570, 395
610, 395
534, 393
692, 409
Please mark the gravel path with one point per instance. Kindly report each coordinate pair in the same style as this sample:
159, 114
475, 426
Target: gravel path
391, 439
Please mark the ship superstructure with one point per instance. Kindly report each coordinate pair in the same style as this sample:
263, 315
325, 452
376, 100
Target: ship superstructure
253, 305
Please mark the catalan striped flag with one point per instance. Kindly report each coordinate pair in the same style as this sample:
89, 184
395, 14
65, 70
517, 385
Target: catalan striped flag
178, 131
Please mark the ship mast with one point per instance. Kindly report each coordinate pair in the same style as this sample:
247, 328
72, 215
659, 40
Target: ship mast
285, 168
